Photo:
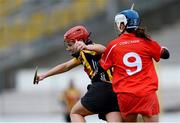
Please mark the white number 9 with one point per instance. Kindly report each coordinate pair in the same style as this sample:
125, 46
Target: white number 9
137, 63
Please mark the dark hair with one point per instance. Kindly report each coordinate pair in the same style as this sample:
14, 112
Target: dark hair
139, 32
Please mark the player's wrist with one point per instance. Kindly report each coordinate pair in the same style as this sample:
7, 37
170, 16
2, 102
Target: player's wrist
43, 76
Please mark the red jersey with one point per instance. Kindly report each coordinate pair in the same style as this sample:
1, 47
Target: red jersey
132, 60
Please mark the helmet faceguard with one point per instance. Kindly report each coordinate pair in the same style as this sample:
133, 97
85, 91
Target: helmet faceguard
129, 17
77, 33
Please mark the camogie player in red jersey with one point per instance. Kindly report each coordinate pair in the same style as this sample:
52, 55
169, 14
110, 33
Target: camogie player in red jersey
134, 76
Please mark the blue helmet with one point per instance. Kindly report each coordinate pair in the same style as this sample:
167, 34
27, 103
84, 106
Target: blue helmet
129, 17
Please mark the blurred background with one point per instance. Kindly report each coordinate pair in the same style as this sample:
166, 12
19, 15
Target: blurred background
31, 34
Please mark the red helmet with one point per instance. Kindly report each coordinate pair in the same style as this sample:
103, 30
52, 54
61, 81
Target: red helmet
76, 33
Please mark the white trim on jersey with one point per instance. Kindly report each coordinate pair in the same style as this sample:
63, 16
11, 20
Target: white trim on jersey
110, 52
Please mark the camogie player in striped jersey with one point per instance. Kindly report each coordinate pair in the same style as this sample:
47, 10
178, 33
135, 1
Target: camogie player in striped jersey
100, 98
134, 76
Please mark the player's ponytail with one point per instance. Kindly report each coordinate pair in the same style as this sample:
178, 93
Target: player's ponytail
141, 33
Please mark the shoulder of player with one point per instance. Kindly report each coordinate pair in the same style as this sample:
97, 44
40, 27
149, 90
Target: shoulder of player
113, 42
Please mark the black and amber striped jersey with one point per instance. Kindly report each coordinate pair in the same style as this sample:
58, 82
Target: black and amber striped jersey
89, 60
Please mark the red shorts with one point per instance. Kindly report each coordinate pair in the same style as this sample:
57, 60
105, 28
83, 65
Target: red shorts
131, 104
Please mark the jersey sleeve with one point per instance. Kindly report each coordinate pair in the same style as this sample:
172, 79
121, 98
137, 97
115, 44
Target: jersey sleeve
155, 50
106, 60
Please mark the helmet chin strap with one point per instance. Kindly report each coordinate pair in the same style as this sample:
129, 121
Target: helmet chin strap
120, 30
118, 26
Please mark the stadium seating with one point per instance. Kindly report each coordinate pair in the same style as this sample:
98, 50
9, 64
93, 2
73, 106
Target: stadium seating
25, 21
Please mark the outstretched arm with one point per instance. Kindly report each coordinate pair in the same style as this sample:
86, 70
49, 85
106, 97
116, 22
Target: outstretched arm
61, 68
96, 47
